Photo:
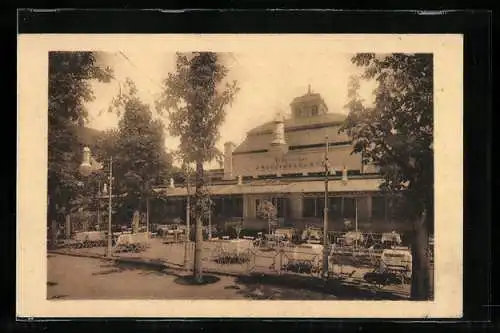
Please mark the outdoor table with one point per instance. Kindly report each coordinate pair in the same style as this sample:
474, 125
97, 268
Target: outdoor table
125, 239
90, 236
396, 261
306, 253
236, 246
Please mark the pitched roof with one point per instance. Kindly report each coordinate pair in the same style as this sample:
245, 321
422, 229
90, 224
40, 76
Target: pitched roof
307, 98
296, 123
298, 131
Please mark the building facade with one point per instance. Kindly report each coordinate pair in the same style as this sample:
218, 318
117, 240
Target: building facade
283, 161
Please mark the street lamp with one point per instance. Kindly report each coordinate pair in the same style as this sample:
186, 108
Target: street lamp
88, 166
99, 204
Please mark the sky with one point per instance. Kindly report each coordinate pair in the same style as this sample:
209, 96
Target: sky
268, 82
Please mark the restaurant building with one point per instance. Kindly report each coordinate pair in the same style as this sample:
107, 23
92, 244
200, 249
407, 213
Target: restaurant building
283, 161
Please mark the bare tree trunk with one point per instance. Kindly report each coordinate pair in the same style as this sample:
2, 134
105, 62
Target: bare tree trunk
420, 281
198, 269
53, 229
51, 216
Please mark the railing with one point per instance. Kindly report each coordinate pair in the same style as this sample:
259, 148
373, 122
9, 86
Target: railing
352, 261
303, 259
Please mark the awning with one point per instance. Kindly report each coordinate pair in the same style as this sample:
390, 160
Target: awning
352, 185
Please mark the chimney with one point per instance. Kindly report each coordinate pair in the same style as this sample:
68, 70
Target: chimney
228, 160
279, 131
344, 174
86, 155
278, 144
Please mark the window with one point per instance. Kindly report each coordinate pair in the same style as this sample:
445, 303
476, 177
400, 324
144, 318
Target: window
349, 208
233, 206
174, 208
296, 112
228, 206
309, 209
217, 207
237, 208
378, 207
314, 111
257, 204
353, 172
279, 203
320, 210
335, 209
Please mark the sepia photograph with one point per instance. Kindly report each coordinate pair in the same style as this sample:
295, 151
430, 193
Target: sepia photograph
243, 174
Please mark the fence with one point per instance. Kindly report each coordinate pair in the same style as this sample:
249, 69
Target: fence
306, 259
370, 243
349, 257
350, 260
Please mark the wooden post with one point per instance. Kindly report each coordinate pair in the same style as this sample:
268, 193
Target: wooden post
68, 227
147, 218
54, 234
110, 208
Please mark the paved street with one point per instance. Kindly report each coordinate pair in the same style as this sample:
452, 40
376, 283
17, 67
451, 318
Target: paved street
86, 278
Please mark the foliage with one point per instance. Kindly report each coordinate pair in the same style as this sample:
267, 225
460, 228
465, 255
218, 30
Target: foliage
267, 210
237, 226
195, 100
106, 144
69, 89
135, 222
140, 160
397, 135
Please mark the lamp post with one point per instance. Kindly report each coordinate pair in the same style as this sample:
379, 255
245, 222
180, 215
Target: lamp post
325, 217
99, 204
188, 206
209, 208
147, 217
86, 168
188, 217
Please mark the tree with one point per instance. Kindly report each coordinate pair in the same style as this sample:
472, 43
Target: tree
69, 86
396, 134
268, 211
140, 158
237, 226
195, 99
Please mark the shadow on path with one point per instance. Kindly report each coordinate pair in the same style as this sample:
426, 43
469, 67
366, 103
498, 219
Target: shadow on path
144, 268
341, 290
